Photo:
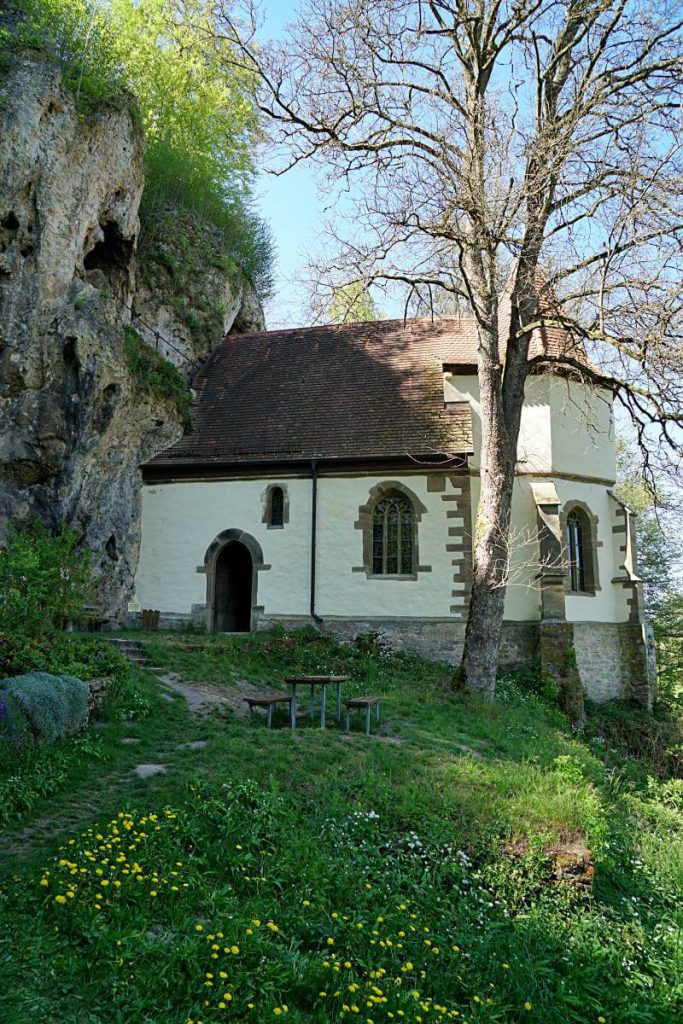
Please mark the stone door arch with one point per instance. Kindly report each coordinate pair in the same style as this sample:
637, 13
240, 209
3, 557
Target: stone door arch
232, 563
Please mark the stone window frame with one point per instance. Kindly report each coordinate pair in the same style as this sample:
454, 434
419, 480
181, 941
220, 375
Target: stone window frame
591, 544
365, 524
265, 506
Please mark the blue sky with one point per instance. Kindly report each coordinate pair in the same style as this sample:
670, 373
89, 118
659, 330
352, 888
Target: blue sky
290, 205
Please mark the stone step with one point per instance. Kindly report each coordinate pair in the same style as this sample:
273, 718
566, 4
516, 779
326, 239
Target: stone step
130, 649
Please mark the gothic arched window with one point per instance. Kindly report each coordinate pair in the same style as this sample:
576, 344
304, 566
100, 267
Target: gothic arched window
578, 532
393, 536
276, 507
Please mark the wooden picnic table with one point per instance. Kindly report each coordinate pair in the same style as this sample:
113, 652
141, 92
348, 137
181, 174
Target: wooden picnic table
323, 682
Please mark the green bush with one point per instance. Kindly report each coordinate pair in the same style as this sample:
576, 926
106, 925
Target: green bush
61, 654
45, 580
177, 197
86, 657
655, 739
155, 375
54, 706
14, 726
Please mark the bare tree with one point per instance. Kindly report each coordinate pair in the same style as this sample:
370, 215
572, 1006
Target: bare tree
486, 139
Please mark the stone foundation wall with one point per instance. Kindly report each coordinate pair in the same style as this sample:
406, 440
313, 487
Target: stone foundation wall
559, 663
614, 660
439, 639
599, 659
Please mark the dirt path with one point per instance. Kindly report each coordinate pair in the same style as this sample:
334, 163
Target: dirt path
97, 797
203, 698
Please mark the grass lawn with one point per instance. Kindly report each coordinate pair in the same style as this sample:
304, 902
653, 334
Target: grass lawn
330, 877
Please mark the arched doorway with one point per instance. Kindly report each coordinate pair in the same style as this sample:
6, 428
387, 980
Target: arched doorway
232, 591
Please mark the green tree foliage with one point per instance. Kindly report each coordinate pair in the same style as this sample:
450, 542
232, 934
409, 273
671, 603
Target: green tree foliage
184, 96
45, 580
657, 552
201, 126
658, 557
156, 375
353, 303
668, 627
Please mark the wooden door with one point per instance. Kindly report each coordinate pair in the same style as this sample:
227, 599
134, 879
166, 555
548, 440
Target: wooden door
233, 589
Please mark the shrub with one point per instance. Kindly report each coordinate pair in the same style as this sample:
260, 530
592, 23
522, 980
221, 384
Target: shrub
655, 739
155, 375
54, 706
13, 723
60, 654
86, 657
45, 580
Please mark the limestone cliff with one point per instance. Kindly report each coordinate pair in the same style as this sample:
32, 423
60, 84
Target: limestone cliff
75, 423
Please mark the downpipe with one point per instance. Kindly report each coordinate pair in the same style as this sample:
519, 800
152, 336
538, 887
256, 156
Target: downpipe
314, 531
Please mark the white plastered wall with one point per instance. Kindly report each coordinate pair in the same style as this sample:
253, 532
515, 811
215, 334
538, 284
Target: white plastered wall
566, 433
608, 604
522, 599
179, 522
566, 427
583, 441
340, 591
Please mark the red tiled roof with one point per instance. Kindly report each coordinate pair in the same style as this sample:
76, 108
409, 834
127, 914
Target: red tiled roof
348, 391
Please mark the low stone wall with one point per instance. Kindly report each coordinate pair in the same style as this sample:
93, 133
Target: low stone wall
439, 639
611, 657
615, 659
599, 659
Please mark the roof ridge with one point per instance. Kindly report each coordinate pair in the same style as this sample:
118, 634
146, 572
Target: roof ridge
403, 322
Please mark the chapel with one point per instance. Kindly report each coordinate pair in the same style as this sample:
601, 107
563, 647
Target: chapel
331, 477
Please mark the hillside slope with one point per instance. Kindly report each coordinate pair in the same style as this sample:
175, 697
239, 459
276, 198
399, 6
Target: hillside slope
471, 861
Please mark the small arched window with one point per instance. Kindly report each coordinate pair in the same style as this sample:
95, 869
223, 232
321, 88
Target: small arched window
276, 507
393, 533
577, 534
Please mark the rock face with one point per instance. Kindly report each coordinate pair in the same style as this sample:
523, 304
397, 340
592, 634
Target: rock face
74, 425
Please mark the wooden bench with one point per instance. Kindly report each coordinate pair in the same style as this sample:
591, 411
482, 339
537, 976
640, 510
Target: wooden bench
269, 701
361, 703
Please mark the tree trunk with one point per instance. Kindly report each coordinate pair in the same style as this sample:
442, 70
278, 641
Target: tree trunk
501, 401
490, 548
